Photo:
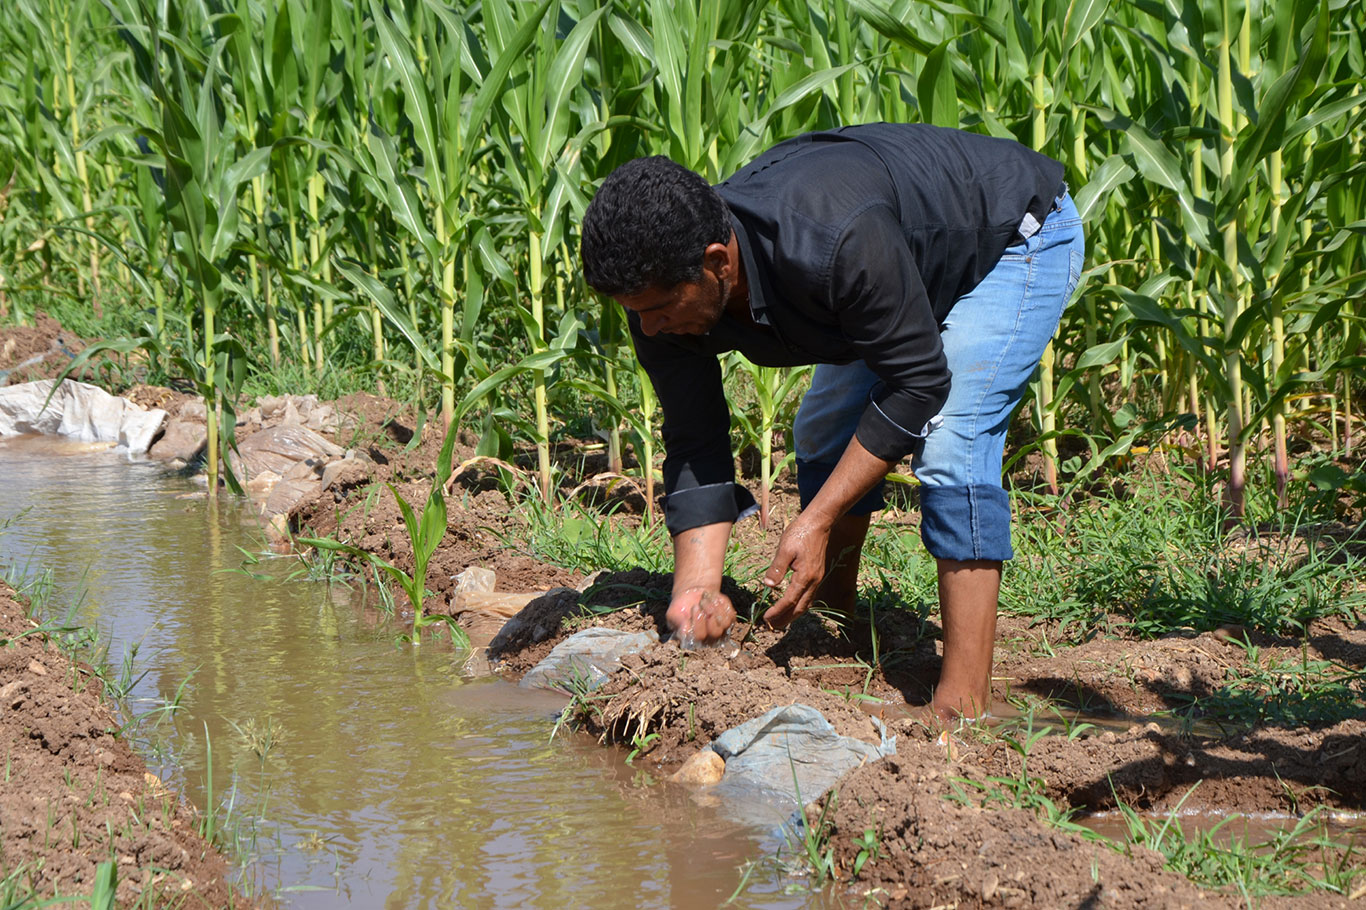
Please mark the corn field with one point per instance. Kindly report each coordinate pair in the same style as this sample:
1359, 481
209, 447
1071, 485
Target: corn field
390, 190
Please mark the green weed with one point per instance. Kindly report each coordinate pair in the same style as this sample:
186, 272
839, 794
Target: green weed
583, 539
870, 850
582, 702
1302, 858
1159, 558
1271, 690
640, 744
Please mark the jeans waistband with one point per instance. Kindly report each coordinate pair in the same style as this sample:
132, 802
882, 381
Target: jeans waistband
1029, 225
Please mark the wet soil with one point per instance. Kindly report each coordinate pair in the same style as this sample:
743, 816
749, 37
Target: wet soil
934, 851
75, 793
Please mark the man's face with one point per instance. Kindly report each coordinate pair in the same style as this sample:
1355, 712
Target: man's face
687, 308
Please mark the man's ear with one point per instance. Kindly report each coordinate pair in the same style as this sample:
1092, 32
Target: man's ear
720, 260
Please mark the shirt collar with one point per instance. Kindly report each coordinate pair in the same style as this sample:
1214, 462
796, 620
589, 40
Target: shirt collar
754, 276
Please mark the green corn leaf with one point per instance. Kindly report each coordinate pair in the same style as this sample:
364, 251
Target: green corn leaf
631, 34
1264, 135
418, 106
938, 96
1154, 160
494, 84
1100, 355
433, 519
1082, 16
1090, 199
383, 300
566, 73
755, 135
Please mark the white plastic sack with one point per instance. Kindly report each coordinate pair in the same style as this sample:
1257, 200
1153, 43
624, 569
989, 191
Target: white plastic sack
77, 411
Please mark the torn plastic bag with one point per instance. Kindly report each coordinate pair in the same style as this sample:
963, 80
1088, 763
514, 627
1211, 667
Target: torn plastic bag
787, 757
591, 655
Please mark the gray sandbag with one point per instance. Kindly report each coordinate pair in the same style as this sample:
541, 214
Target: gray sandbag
791, 750
77, 410
591, 655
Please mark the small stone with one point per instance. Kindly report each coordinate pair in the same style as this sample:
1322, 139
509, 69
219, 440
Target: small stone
1231, 634
36, 668
989, 886
703, 768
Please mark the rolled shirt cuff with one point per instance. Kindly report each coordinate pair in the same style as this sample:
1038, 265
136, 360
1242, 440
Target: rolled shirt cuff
890, 440
707, 505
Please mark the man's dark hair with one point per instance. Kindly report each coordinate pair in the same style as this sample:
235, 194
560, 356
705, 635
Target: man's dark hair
648, 227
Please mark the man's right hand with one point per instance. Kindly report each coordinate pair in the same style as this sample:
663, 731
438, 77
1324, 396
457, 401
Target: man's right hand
701, 614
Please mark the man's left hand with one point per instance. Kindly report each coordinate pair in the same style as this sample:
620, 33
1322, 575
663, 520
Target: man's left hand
802, 552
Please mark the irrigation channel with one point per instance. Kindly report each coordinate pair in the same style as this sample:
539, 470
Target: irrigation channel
391, 775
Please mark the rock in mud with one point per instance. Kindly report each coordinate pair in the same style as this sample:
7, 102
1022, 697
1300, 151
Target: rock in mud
348, 472
280, 448
182, 440
704, 768
296, 411
287, 494
587, 658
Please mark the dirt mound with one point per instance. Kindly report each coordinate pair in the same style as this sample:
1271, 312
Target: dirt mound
86, 797
929, 851
40, 351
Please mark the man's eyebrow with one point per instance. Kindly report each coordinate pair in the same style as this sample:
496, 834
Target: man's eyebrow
648, 309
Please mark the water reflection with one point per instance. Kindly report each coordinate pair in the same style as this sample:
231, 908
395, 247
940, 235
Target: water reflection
375, 773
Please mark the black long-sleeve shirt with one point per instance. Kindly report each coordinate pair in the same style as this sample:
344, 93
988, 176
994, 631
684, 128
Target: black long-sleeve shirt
855, 243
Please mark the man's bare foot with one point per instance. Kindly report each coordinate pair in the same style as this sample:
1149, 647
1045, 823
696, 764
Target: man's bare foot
939, 717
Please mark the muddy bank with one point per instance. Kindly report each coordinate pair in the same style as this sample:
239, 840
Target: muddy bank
75, 793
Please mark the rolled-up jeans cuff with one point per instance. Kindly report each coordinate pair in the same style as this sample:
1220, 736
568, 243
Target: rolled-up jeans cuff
812, 475
966, 522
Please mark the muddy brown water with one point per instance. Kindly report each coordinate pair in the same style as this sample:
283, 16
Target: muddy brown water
394, 777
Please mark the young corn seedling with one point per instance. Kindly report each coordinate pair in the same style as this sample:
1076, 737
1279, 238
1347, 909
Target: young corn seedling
424, 533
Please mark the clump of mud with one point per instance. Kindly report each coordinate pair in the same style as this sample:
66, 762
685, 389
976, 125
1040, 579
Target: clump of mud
927, 850
40, 351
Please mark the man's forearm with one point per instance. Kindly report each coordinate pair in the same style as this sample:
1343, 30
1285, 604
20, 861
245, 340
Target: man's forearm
700, 557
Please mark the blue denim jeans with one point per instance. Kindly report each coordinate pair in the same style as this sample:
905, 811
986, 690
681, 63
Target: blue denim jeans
993, 339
